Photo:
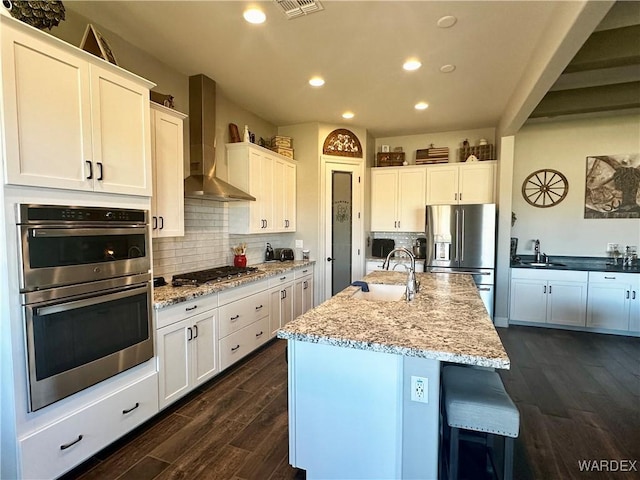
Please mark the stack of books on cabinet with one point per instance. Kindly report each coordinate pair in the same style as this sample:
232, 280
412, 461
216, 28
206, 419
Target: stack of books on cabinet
432, 155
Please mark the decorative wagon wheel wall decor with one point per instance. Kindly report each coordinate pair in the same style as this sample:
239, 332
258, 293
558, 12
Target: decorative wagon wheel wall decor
545, 188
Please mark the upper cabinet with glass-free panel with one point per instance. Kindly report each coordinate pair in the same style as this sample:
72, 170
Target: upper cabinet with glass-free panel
461, 183
71, 120
398, 199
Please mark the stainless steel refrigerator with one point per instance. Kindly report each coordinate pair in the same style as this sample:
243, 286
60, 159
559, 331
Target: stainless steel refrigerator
462, 239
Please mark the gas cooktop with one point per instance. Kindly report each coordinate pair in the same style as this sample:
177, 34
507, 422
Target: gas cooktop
218, 274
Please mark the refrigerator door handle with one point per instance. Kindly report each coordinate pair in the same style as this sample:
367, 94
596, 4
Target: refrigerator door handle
456, 240
462, 238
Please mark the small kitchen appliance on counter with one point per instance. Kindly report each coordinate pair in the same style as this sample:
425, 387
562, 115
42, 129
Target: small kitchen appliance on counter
284, 254
269, 256
381, 247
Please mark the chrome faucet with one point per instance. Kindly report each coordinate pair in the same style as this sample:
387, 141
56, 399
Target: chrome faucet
536, 249
412, 284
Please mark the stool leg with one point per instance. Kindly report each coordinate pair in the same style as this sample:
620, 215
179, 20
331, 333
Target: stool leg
508, 458
453, 453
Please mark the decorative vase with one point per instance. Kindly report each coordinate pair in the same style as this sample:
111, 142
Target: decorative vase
240, 260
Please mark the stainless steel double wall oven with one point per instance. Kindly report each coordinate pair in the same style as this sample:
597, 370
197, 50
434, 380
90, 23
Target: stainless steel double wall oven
86, 290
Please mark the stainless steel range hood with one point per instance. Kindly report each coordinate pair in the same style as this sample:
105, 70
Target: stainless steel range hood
202, 181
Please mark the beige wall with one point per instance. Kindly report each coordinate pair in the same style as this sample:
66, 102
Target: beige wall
564, 146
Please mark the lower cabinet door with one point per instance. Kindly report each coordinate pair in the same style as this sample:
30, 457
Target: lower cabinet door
173, 361
56, 449
528, 300
567, 303
204, 347
609, 306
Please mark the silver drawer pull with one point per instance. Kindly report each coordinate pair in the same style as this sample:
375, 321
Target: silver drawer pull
235, 318
188, 309
233, 349
258, 307
259, 334
129, 410
69, 445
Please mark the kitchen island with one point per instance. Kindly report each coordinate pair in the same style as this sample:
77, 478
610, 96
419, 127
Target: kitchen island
351, 363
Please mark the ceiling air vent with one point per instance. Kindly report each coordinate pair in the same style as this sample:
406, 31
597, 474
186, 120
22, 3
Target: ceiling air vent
296, 8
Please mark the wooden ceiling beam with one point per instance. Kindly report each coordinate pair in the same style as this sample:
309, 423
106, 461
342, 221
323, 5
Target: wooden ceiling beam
608, 48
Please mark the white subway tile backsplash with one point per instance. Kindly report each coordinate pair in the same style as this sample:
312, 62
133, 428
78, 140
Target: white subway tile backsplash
207, 242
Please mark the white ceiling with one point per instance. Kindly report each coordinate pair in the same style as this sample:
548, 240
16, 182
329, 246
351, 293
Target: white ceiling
357, 46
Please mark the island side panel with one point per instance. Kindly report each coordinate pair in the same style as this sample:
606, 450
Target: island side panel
421, 421
345, 412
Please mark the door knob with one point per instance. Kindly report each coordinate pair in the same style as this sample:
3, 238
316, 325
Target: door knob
330, 259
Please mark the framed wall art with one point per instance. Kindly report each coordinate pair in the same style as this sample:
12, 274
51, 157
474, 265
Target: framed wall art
612, 186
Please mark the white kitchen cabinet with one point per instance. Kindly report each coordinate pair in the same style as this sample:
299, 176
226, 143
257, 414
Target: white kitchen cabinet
167, 152
281, 301
398, 199
57, 448
463, 183
186, 349
244, 321
548, 296
302, 290
271, 179
82, 125
614, 301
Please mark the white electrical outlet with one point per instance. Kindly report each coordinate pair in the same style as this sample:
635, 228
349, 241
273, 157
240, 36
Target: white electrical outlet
419, 389
299, 244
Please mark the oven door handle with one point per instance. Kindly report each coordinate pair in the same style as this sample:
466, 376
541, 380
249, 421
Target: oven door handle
83, 232
95, 299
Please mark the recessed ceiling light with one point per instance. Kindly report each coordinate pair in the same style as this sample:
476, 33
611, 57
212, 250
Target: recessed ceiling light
254, 15
316, 81
412, 65
447, 68
447, 21
348, 115
421, 106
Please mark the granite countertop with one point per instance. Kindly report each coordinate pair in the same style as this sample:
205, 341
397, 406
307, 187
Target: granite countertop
593, 264
168, 295
446, 321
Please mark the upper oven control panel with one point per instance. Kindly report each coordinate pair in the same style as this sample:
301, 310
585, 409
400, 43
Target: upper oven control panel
38, 214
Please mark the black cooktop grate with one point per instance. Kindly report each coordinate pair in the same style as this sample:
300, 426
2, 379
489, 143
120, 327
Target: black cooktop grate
218, 274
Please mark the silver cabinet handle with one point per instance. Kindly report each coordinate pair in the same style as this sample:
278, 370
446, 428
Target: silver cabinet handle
129, 410
71, 444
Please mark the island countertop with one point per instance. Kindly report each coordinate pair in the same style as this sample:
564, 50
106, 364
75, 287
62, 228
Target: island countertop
446, 321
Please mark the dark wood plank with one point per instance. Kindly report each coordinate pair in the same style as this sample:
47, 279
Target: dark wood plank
146, 469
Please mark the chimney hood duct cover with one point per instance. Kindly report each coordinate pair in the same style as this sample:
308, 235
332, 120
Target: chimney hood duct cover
202, 181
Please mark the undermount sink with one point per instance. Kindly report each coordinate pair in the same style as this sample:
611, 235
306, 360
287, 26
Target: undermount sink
382, 293
541, 264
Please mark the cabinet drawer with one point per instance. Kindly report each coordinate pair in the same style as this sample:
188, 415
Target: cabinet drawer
280, 279
239, 344
239, 314
61, 446
241, 292
180, 311
613, 277
302, 272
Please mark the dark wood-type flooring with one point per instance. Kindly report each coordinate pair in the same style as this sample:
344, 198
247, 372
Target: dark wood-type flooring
578, 395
